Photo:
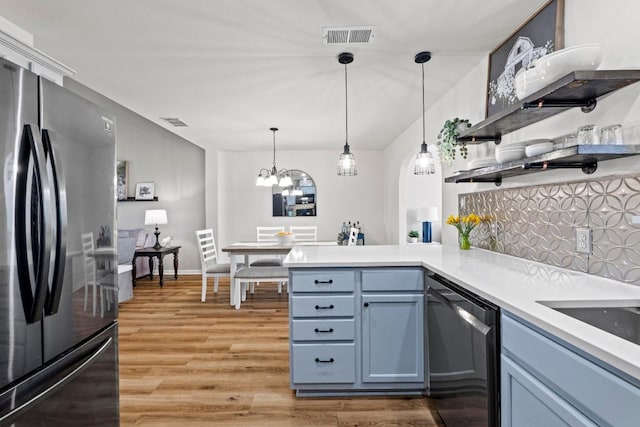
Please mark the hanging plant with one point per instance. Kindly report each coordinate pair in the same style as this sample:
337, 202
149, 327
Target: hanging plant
447, 142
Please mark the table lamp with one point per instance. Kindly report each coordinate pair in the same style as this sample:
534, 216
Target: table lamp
155, 217
427, 215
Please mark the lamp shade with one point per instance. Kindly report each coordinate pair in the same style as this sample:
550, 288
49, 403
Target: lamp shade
155, 217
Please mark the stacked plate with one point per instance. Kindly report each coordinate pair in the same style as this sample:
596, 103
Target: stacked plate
509, 152
481, 162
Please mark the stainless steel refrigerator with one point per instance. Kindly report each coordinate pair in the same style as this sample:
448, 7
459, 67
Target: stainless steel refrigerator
58, 328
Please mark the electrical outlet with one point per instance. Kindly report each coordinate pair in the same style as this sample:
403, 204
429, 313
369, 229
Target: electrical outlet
584, 240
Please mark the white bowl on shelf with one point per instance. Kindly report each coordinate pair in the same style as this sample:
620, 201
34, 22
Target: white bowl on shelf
561, 62
540, 148
503, 156
528, 82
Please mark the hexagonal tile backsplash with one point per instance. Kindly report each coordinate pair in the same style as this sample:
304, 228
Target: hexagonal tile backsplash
539, 222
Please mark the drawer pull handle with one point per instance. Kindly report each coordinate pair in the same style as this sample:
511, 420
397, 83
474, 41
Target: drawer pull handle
366, 304
321, 307
325, 331
319, 282
324, 361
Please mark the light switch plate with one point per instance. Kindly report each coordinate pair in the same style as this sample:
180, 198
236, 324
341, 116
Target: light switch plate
584, 240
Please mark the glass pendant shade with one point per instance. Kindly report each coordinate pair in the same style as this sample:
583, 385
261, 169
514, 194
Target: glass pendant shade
424, 164
285, 180
347, 163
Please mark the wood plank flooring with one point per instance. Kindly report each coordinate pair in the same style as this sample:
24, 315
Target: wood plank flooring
187, 363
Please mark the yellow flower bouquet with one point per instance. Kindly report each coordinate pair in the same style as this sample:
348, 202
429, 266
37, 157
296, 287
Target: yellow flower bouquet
464, 225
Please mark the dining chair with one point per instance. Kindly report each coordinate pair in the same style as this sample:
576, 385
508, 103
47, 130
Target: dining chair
267, 234
209, 261
253, 275
304, 233
353, 236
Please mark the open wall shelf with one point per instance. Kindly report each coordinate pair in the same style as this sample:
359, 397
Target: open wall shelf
585, 157
577, 89
133, 199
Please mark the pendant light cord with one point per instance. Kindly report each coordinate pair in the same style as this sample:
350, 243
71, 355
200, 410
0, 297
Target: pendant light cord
423, 131
346, 109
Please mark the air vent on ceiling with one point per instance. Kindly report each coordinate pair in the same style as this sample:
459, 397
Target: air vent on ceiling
174, 121
345, 35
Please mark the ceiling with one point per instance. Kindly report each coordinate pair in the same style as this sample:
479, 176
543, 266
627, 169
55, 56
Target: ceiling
231, 69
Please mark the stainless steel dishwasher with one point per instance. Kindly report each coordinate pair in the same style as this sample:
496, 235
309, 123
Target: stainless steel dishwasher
463, 354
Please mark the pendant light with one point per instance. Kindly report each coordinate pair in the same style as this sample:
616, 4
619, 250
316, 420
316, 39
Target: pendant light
268, 178
424, 164
346, 162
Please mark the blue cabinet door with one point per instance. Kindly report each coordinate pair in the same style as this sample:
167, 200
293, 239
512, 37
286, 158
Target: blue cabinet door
528, 402
392, 338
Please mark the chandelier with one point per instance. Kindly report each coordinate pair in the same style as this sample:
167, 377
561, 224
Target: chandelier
268, 178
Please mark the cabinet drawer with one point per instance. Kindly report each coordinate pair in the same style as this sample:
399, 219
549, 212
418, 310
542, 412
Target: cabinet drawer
323, 363
321, 306
323, 330
396, 279
587, 386
322, 281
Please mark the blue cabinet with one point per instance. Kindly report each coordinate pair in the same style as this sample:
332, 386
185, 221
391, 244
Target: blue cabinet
393, 338
546, 382
357, 331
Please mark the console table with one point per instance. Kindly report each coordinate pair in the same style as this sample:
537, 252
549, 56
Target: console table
157, 253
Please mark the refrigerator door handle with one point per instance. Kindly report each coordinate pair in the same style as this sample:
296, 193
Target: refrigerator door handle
60, 227
6, 419
32, 216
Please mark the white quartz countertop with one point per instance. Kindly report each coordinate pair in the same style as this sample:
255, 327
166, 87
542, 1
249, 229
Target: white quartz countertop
514, 284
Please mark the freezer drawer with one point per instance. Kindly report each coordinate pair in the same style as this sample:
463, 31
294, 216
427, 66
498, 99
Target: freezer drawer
78, 389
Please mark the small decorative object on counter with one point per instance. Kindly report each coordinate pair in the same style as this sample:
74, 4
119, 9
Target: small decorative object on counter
447, 140
413, 236
464, 225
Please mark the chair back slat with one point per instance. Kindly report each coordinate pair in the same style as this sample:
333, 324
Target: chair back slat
267, 234
304, 233
207, 245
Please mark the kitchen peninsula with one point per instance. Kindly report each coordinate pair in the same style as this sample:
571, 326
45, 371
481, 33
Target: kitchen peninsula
605, 368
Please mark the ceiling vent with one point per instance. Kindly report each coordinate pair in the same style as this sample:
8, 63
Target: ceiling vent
174, 121
347, 35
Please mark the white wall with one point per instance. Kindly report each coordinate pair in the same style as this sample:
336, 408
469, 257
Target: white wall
612, 23
173, 163
243, 206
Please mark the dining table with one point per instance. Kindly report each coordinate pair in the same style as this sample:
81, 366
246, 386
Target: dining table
246, 249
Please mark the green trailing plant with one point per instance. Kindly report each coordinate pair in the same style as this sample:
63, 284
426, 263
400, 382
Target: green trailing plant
447, 140
414, 233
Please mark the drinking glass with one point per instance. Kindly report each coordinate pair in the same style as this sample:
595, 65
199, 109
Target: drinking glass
588, 134
611, 135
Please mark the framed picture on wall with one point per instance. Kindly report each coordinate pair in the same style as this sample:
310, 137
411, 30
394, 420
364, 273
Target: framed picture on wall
145, 190
122, 174
539, 35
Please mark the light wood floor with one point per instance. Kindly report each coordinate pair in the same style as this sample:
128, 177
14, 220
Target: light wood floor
186, 363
